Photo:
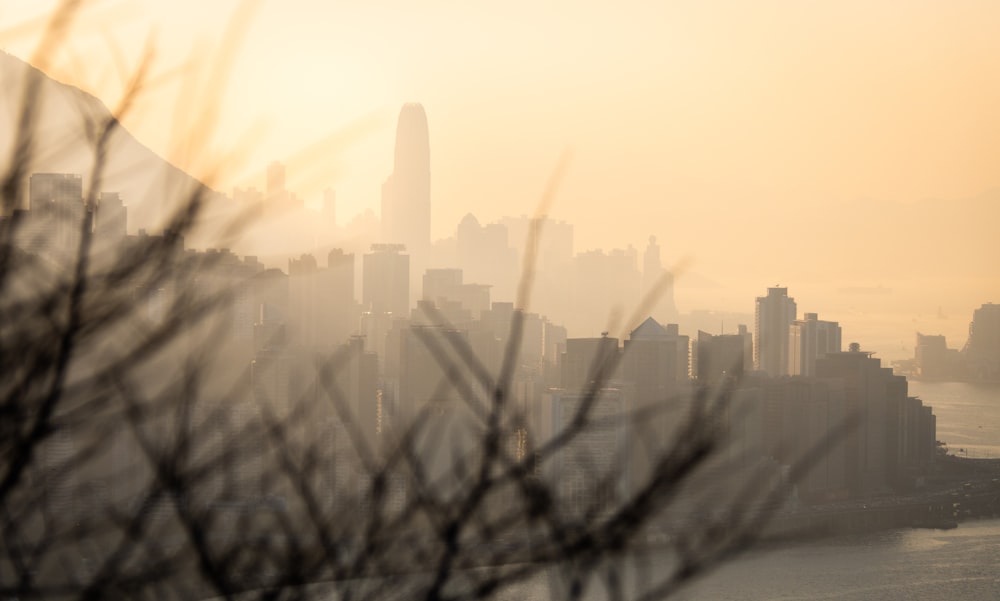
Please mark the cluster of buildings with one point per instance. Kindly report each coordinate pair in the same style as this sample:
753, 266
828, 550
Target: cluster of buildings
348, 373
56, 215
788, 392
977, 361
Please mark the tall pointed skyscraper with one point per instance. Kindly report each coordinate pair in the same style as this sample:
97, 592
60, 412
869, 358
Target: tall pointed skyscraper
406, 194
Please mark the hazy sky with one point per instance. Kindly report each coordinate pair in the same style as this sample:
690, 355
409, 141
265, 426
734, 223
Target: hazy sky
711, 124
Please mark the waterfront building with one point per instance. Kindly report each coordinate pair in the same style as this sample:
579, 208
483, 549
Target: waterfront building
870, 391
983, 348
932, 357
590, 474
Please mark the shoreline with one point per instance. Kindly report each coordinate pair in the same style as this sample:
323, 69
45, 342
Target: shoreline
915, 378
962, 488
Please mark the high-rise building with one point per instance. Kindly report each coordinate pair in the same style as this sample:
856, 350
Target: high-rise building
322, 309
57, 214
344, 310
420, 384
278, 194
355, 379
589, 362
111, 219
553, 254
385, 277
271, 308
720, 357
808, 340
304, 302
441, 283
483, 253
871, 391
444, 286
536, 336
655, 362
406, 194
983, 347
591, 473
654, 381
45, 188
931, 356
774, 315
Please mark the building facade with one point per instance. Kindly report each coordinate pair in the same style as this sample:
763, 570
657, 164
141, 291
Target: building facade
808, 340
774, 316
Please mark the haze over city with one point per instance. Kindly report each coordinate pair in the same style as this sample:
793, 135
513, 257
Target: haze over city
435, 301
847, 152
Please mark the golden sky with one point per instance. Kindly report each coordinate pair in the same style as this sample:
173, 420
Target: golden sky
733, 130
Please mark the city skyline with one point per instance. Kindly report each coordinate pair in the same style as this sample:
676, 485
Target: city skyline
323, 305
693, 319
584, 359
683, 121
406, 218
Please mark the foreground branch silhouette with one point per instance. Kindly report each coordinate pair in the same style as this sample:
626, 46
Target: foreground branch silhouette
142, 457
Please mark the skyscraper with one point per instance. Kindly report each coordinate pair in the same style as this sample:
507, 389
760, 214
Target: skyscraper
774, 315
406, 194
808, 340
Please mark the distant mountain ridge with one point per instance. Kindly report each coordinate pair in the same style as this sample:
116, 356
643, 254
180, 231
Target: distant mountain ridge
149, 184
